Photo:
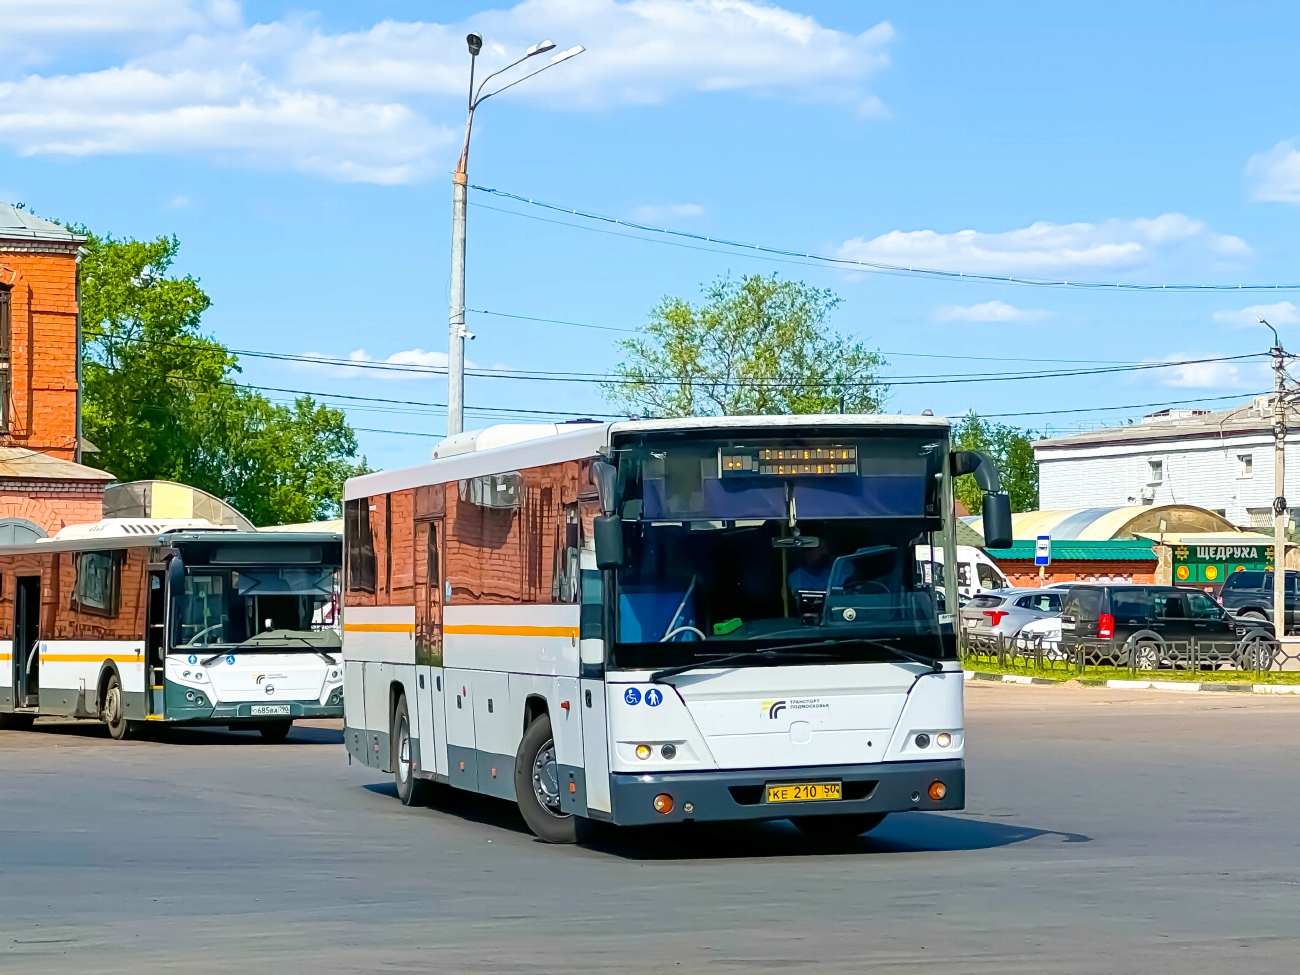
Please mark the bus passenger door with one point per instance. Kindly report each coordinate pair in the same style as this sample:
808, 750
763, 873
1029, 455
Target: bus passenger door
430, 718
27, 615
155, 641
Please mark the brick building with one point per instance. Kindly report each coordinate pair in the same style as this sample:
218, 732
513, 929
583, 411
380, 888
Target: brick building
43, 485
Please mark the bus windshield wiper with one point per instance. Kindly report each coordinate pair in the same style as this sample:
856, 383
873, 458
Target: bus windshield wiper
770, 653
932, 662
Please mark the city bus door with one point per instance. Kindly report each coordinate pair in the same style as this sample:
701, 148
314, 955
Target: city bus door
155, 640
27, 615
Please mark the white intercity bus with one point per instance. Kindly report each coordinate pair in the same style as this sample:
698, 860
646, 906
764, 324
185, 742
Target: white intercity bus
138, 620
658, 621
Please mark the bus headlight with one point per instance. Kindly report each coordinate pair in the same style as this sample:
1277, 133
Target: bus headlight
943, 740
643, 752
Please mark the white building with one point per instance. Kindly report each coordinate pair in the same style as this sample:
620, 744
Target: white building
1217, 460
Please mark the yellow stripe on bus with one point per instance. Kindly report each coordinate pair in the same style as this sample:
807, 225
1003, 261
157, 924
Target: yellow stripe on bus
478, 629
379, 627
87, 658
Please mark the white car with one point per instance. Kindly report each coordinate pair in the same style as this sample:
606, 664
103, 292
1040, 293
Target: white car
1049, 628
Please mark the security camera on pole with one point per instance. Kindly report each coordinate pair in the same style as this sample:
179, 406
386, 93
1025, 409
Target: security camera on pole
460, 186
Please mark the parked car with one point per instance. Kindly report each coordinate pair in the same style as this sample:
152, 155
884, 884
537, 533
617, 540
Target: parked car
1003, 612
1153, 626
1249, 596
1044, 633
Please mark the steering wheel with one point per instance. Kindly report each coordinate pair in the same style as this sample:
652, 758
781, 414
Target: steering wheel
683, 629
866, 586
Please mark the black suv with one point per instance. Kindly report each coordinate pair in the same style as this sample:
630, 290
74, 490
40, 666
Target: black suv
1147, 627
1249, 596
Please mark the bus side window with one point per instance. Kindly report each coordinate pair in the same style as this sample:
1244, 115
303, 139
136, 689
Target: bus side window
988, 580
564, 585
360, 546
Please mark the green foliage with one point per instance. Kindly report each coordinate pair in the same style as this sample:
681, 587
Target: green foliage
160, 401
1012, 448
757, 345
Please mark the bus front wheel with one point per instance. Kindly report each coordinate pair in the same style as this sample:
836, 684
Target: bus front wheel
114, 714
537, 788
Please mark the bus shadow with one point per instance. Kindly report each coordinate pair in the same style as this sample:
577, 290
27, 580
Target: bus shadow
900, 833
180, 735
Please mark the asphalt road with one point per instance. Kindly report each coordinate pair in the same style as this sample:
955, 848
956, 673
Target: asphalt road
1107, 832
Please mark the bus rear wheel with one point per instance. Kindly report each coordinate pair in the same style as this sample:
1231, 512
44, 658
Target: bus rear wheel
837, 829
411, 789
275, 731
114, 713
537, 788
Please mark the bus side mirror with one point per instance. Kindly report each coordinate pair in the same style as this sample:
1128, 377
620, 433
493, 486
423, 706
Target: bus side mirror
176, 574
997, 520
607, 531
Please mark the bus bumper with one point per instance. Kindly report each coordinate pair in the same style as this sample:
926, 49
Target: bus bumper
734, 795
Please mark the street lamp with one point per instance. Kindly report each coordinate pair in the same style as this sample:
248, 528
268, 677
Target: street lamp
456, 333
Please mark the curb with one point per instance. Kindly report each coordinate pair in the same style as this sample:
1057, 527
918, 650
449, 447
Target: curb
1143, 685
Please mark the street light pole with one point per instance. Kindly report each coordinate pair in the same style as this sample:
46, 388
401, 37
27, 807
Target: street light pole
1279, 485
456, 333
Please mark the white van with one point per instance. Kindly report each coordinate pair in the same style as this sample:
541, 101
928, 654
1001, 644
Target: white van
976, 572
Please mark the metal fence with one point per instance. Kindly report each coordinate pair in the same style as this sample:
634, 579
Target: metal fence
1253, 655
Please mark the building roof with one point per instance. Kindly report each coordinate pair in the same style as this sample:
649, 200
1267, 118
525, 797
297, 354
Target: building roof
21, 225
1104, 524
25, 464
1115, 550
1254, 417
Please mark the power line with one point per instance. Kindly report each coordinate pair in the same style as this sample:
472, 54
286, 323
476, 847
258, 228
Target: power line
875, 266
1130, 406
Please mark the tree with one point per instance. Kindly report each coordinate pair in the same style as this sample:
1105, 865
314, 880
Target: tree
160, 400
1013, 450
757, 345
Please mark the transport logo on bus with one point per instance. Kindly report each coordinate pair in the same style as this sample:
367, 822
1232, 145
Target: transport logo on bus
773, 708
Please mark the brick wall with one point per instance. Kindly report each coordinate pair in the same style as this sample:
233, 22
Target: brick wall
52, 504
1023, 574
43, 390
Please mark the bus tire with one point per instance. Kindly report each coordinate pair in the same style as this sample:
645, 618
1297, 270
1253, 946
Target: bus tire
275, 731
114, 713
537, 788
411, 789
16, 722
837, 829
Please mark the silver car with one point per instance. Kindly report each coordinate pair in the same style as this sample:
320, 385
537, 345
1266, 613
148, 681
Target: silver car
1003, 612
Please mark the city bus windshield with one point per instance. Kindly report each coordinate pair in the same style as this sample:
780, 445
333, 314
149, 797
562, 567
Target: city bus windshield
838, 560
280, 607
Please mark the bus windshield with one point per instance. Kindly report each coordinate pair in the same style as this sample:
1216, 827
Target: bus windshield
285, 608
839, 565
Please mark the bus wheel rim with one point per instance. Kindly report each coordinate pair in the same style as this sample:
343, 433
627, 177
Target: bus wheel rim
546, 780
403, 752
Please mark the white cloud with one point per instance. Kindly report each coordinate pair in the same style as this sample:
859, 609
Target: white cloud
1281, 313
989, 311
384, 104
1049, 248
1274, 176
1203, 375
679, 210
331, 365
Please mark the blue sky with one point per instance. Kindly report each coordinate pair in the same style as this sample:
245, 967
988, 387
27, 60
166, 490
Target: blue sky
303, 156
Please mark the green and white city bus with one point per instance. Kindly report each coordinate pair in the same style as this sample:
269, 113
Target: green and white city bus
129, 621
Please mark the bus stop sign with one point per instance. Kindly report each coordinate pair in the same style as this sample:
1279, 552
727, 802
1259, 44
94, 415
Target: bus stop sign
1043, 550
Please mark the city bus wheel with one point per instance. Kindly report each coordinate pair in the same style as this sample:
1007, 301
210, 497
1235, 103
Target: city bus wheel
16, 722
411, 789
114, 714
275, 731
537, 788
837, 829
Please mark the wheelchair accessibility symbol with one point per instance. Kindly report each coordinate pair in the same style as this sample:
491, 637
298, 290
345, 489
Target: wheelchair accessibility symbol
632, 696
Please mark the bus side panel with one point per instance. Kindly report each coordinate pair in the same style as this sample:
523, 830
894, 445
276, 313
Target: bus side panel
354, 701
70, 672
595, 745
536, 638
6, 675
496, 734
462, 767
377, 684
934, 705
438, 700
423, 724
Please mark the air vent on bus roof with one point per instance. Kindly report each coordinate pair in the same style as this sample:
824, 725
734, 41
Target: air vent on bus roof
127, 527
500, 435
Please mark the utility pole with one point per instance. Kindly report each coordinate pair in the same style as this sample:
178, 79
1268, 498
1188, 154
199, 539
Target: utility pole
456, 333
1279, 486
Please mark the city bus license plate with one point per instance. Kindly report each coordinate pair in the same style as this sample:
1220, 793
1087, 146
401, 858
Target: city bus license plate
260, 709
803, 791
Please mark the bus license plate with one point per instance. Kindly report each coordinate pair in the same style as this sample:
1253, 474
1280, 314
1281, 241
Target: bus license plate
260, 709
803, 791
